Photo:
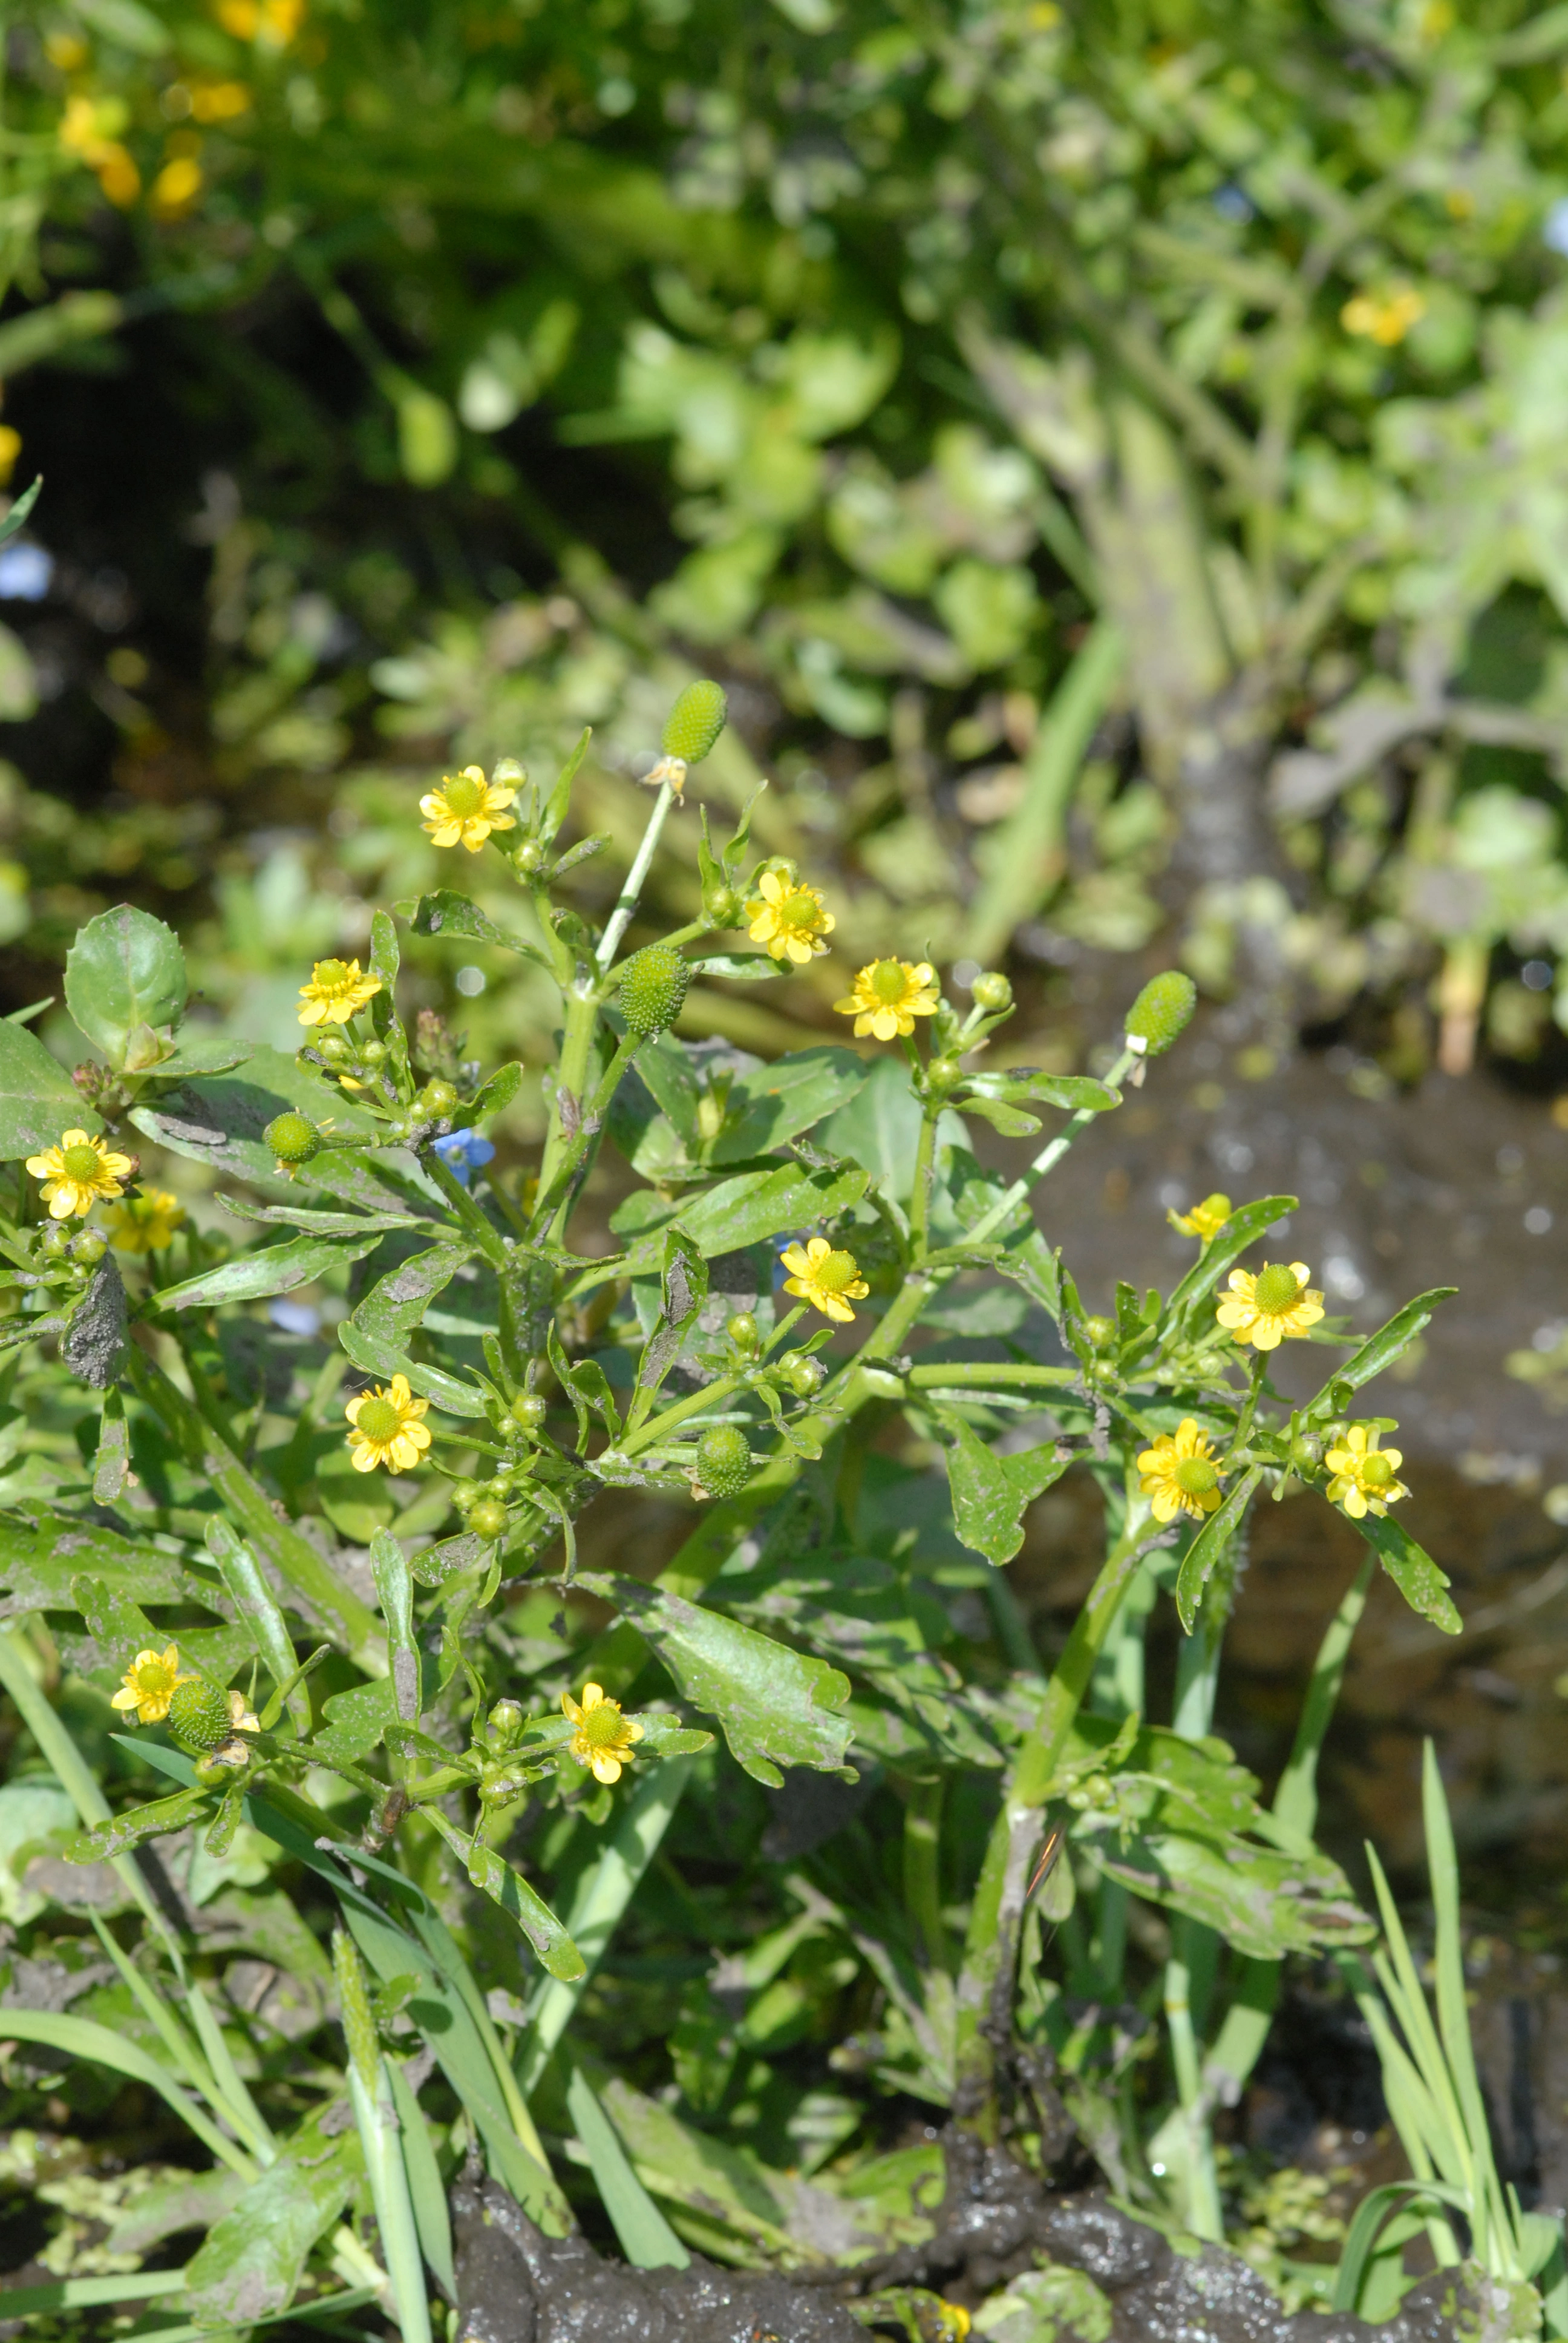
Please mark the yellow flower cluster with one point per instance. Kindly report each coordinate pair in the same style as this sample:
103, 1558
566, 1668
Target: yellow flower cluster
1383, 318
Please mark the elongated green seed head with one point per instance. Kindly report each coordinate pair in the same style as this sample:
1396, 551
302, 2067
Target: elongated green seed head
1162, 1011
652, 989
695, 722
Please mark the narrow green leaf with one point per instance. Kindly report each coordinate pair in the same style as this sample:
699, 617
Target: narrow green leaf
395, 1591
272, 1268
129, 1829
427, 2189
15, 519
647, 2239
561, 795
1388, 1343
446, 913
1413, 1571
494, 1876
113, 1461
252, 1599
1209, 1545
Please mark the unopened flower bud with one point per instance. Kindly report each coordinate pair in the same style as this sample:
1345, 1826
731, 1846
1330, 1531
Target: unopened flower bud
438, 1100
805, 1377
1099, 1333
505, 1722
745, 1334
529, 858
89, 1247
991, 992
487, 1519
722, 906
529, 1410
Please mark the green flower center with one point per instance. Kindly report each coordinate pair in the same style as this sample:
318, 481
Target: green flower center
154, 1678
1277, 1290
834, 1271
465, 795
887, 981
1195, 1476
604, 1727
1377, 1472
331, 975
798, 910
82, 1161
379, 1421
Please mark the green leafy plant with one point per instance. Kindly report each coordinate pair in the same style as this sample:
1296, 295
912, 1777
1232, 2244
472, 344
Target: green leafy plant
307, 1606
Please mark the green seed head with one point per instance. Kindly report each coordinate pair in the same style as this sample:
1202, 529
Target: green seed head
723, 1461
695, 722
292, 1138
1277, 1288
465, 793
1162, 1011
82, 1161
1196, 1476
198, 1714
378, 1420
652, 988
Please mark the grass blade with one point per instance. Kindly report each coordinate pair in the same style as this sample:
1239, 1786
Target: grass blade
646, 2237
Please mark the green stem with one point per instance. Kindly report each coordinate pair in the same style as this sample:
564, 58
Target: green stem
997, 1912
486, 1235
1257, 1370
925, 1167
922, 1868
555, 1202
296, 1561
582, 1001
620, 918
1051, 1156
695, 1403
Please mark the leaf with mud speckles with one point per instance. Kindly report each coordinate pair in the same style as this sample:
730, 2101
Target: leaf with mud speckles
251, 2262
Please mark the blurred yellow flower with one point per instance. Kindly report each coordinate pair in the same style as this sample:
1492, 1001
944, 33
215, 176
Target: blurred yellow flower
789, 917
67, 52
273, 23
889, 995
466, 808
10, 448
604, 1737
1366, 1477
335, 993
145, 1223
387, 1429
219, 101
1204, 1221
1383, 318
177, 186
828, 1280
79, 1172
148, 1684
1271, 1308
1178, 1473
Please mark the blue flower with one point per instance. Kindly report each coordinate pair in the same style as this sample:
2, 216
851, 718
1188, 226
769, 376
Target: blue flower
1555, 227
463, 1153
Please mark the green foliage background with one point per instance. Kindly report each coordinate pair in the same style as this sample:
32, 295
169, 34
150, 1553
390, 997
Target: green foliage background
933, 373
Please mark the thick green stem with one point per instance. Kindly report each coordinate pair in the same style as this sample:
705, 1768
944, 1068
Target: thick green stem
922, 1868
925, 1167
486, 1235
997, 1912
557, 1196
296, 1561
581, 998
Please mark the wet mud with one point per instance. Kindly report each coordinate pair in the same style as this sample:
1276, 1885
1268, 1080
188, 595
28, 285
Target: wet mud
997, 2222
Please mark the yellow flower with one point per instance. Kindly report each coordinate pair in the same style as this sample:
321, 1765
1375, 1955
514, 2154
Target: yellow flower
386, 1427
1178, 1473
828, 1280
888, 996
466, 808
219, 101
148, 1684
789, 917
337, 990
10, 448
604, 1737
177, 186
1383, 318
240, 1718
1366, 1477
145, 1223
77, 1172
1205, 1220
272, 22
1271, 1308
